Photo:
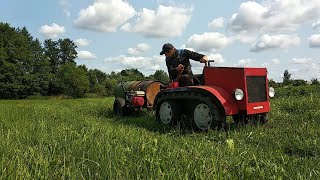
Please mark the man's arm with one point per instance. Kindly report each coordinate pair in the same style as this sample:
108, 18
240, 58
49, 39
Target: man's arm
195, 56
172, 71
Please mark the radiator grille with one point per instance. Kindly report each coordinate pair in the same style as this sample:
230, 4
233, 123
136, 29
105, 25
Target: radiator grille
256, 86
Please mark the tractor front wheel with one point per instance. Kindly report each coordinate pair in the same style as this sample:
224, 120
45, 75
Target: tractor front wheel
241, 119
167, 112
263, 118
206, 114
119, 107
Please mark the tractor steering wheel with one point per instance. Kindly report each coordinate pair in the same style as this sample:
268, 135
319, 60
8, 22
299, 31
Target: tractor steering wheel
207, 64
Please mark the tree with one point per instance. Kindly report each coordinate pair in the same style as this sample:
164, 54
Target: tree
18, 52
67, 51
41, 68
51, 52
73, 80
131, 75
272, 83
97, 80
298, 82
60, 52
37, 81
286, 78
315, 81
109, 85
161, 75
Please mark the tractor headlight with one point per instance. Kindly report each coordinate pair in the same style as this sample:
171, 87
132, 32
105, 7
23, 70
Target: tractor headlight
238, 94
271, 92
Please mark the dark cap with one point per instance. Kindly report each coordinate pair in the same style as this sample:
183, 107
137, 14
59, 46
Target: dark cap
165, 48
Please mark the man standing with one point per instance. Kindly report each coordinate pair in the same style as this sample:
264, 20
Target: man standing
178, 63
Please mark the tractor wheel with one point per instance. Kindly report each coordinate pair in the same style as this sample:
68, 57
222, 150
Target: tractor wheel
206, 114
240, 119
167, 112
250, 119
263, 118
119, 107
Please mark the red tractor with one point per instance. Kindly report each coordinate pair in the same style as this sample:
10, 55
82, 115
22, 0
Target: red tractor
242, 93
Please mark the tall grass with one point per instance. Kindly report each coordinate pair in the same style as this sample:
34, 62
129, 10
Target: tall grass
82, 139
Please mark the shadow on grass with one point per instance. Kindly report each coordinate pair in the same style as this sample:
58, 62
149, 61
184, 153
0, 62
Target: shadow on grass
139, 119
147, 120
300, 152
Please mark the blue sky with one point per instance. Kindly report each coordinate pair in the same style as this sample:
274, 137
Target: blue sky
112, 35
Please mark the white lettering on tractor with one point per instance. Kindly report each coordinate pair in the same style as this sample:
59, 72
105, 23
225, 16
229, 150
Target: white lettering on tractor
258, 107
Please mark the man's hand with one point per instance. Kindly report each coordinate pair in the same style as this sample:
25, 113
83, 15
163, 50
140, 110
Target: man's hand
204, 59
180, 67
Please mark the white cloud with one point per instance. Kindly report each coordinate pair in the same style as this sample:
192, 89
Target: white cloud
197, 67
207, 41
82, 42
66, 7
275, 61
105, 15
143, 64
189, 48
277, 41
216, 23
243, 37
86, 55
243, 63
316, 25
303, 72
141, 48
243, 20
301, 60
314, 40
218, 58
166, 21
274, 15
315, 67
52, 31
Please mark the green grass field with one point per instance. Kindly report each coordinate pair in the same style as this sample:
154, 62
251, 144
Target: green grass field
82, 139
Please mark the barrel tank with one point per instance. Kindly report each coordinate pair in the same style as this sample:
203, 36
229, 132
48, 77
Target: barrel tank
151, 89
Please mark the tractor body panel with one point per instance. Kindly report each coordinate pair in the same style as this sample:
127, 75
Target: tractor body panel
225, 99
253, 82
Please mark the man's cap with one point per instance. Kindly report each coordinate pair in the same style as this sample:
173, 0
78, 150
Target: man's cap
165, 48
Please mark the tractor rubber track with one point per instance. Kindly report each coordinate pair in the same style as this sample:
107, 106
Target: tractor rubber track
188, 100
183, 99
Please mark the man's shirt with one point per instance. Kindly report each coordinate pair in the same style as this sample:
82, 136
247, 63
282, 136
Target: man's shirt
181, 56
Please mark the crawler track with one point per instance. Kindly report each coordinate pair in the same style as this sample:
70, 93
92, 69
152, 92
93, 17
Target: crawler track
203, 110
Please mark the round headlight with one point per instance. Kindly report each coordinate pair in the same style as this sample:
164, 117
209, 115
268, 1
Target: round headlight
238, 94
271, 92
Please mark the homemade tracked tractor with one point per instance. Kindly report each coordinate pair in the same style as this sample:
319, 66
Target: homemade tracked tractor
242, 93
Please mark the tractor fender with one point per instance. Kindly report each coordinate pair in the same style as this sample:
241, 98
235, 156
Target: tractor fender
226, 100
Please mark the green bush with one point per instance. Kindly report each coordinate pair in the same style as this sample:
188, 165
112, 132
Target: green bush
296, 91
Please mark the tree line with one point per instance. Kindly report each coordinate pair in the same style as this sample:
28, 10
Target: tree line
288, 81
29, 67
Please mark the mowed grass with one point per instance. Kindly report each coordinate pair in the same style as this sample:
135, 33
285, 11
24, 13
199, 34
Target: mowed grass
82, 139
